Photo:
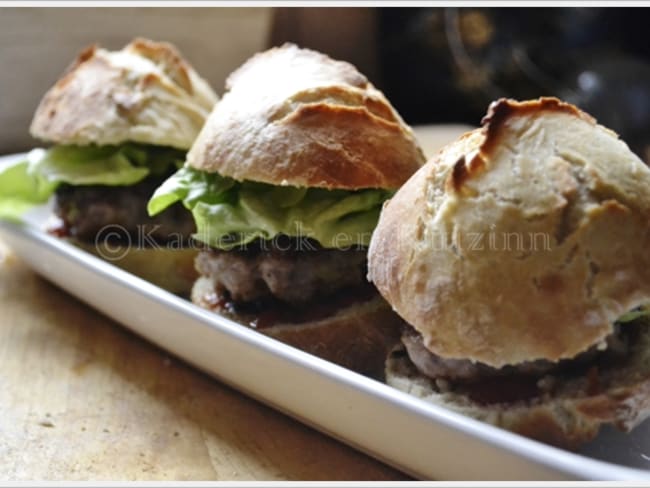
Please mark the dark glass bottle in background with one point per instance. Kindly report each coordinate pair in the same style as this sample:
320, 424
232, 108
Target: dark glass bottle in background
448, 64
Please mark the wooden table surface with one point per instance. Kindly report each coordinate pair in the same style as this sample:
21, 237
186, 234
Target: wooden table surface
82, 398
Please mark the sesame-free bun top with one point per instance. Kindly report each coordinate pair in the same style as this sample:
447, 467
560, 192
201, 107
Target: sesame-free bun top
294, 116
522, 240
144, 93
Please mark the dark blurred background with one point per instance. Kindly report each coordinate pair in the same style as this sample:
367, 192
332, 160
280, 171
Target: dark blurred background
440, 65
436, 65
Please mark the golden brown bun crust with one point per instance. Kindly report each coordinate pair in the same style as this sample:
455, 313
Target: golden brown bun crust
144, 93
525, 239
170, 269
569, 416
357, 337
296, 117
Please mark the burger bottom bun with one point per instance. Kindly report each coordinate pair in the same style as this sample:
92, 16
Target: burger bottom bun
357, 337
170, 269
568, 417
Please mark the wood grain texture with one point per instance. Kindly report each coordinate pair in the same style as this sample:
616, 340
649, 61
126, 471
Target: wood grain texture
82, 398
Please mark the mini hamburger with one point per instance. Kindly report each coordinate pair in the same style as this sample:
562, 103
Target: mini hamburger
285, 183
518, 256
120, 123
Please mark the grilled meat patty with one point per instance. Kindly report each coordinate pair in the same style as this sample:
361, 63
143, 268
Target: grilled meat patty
86, 210
289, 273
464, 370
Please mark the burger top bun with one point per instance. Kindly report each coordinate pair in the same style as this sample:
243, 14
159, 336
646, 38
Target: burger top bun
144, 93
523, 240
296, 117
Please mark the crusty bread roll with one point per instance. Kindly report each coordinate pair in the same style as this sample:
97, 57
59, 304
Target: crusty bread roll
358, 336
523, 240
144, 93
293, 116
567, 416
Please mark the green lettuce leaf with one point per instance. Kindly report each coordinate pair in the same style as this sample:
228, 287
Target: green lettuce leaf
32, 181
101, 165
105, 165
230, 213
637, 313
20, 190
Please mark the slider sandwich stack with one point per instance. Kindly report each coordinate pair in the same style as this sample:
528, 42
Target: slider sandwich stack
285, 183
120, 123
519, 257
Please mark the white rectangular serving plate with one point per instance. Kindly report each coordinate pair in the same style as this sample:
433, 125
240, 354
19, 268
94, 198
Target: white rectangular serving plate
423, 440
